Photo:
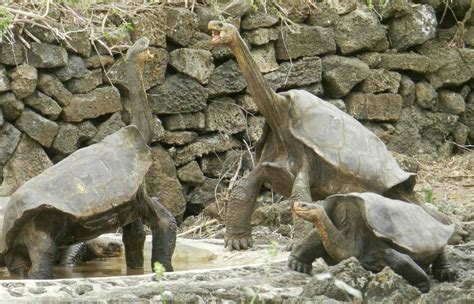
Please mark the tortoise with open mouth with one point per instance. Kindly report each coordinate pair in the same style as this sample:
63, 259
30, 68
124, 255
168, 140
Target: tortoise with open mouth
309, 150
380, 232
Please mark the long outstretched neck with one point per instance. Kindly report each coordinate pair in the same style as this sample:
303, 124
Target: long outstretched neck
264, 97
335, 243
140, 111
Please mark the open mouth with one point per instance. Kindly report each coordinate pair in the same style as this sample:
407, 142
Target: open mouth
300, 207
216, 37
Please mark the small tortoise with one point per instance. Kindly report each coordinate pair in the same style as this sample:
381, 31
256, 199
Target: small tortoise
309, 150
380, 232
95, 190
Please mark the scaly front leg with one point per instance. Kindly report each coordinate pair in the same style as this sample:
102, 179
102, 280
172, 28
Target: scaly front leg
239, 209
301, 192
133, 238
305, 252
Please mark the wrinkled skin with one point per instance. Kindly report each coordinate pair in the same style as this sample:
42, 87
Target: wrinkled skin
39, 241
35, 247
345, 234
88, 251
286, 164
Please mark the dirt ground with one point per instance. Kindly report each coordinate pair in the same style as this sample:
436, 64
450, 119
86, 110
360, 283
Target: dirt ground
451, 183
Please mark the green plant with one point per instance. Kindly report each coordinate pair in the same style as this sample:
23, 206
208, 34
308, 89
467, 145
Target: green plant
370, 3
119, 33
5, 22
127, 26
443, 208
428, 191
159, 271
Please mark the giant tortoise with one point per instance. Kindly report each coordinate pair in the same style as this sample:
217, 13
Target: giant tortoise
95, 190
309, 149
380, 232
82, 252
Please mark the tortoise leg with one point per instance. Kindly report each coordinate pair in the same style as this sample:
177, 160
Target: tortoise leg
164, 236
442, 268
301, 188
42, 251
301, 192
163, 227
305, 252
239, 209
17, 264
404, 265
133, 238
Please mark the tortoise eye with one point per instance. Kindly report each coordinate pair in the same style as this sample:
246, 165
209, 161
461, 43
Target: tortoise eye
220, 24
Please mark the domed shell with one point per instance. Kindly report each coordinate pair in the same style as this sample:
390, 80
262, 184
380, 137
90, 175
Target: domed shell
343, 142
90, 181
403, 224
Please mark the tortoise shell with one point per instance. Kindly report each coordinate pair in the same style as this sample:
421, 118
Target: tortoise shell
90, 181
406, 225
343, 142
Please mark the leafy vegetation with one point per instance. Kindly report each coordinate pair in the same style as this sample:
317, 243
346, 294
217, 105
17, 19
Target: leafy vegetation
428, 195
5, 23
159, 274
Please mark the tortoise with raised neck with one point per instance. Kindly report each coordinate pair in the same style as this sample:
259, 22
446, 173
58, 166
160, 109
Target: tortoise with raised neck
95, 190
309, 150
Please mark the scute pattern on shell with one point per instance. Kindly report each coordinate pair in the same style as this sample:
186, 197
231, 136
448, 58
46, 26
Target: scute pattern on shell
343, 142
90, 181
405, 225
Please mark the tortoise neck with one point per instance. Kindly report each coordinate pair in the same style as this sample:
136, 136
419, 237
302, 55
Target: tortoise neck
140, 111
265, 98
334, 241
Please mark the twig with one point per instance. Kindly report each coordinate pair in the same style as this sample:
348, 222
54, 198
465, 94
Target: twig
20, 12
462, 147
213, 221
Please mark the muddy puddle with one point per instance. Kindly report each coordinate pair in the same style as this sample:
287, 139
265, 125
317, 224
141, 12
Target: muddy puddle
189, 254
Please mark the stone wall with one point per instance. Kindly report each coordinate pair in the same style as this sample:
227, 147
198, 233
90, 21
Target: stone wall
400, 76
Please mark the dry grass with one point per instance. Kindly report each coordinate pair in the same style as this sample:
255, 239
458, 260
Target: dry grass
449, 182
100, 20
200, 227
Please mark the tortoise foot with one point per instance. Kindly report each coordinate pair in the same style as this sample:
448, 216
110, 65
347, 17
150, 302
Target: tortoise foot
445, 274
238, 243
297, 264
41, 275
423, 287
459, 234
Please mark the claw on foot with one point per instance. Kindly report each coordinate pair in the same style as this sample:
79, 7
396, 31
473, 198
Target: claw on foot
238, 243
424, 287
446, 275
297, 265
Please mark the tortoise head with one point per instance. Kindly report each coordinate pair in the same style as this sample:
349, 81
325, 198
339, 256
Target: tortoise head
222, 33
105, 249
310, 212
137, 50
